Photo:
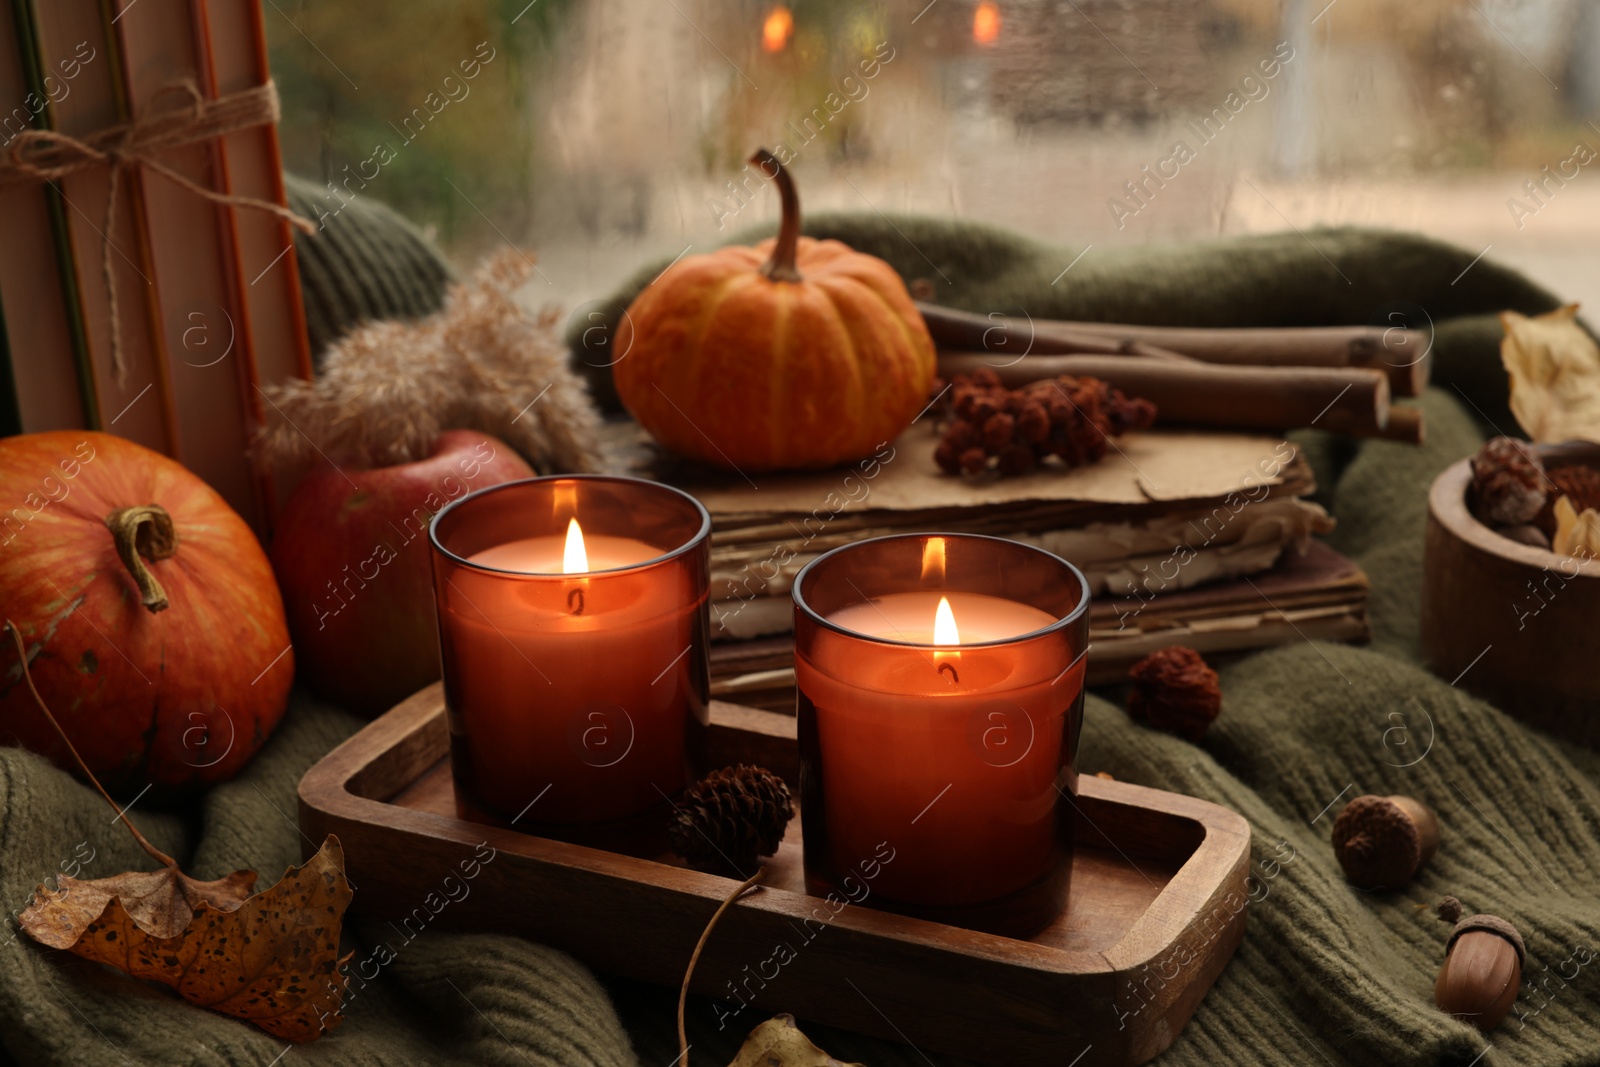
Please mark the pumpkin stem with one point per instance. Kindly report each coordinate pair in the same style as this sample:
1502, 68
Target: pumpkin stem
780, 267
144, 531
27, 676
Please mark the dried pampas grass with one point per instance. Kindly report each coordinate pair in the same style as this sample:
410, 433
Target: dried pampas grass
388, 389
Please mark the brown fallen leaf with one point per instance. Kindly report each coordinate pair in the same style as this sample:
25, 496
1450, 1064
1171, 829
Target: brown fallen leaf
271, 959
778, 1042
161, 903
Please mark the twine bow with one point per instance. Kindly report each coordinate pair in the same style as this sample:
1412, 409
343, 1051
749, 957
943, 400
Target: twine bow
48, 155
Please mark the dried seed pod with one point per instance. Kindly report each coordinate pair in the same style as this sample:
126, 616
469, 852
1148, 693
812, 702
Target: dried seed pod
1482, 971
1382, 842
1508, 483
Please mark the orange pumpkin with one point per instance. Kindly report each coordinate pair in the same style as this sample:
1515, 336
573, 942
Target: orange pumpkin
794, 354
151, 621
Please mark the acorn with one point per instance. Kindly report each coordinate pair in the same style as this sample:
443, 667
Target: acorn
1482, 971
1382, 842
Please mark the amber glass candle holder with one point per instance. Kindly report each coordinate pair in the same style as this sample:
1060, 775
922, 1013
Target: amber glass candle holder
576, 686
939, 756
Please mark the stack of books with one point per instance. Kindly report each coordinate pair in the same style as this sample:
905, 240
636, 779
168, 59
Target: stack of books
1193, 538
207, 294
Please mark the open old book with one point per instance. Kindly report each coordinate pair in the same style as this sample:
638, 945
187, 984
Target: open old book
1201, 539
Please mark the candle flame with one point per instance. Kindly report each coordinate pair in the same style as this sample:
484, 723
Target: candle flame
944, 624
933, 560
777, 29
575, 558
986, 22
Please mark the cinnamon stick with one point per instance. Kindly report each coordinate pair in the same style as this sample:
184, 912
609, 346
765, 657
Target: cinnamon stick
1353, 400
1405, 425
1004, 337
1395, 351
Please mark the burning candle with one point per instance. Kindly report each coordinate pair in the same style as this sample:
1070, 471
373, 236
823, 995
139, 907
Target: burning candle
940, 697
573, 628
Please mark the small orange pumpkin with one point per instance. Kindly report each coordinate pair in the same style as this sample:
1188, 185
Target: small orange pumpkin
794, 354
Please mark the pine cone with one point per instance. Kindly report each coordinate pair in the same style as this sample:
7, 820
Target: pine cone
1176, 691
731, 818
1508, 483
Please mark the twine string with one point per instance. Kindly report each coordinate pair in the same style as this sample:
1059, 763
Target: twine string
49, 155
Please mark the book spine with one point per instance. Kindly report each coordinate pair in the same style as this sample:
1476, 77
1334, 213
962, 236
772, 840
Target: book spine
191, 256
73, 49
36, 330
265, 242
32, 67
248, 364
10, 402
138, 224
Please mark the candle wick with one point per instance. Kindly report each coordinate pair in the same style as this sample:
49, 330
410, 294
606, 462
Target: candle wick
950, 669
575, 601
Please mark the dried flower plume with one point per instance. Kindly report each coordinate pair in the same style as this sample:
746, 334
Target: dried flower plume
483, 363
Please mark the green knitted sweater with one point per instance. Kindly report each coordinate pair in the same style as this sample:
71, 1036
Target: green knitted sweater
1326, 974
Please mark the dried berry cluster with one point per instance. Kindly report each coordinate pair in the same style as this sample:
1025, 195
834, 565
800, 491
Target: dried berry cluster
1175, 690
1011, 431
731, 818
1514, 492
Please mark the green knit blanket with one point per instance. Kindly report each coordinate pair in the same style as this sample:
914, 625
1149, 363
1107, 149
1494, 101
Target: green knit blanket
1326, 973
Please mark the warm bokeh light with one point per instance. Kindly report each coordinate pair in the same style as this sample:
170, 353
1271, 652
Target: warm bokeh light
986, 22
944, 624
777, 30
574, 558
933, 559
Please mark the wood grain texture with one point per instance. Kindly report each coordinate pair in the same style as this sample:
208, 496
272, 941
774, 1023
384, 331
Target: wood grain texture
1158, 887
1507, 622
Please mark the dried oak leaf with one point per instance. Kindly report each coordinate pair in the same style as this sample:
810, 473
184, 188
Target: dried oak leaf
271, 959
778, 1042
1555, 375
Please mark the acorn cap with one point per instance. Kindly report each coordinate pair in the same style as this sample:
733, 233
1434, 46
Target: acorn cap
1492, 924
1381, 842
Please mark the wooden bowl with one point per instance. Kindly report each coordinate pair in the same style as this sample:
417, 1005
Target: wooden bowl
1515, 625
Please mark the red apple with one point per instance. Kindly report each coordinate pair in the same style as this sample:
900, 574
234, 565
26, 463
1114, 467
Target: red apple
351, 554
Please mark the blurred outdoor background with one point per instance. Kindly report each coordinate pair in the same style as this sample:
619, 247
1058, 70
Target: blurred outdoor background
600, 134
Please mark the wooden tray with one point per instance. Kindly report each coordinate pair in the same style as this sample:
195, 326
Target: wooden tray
1155, 912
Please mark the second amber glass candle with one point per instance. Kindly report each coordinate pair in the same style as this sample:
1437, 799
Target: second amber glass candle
940, 687
573, 629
